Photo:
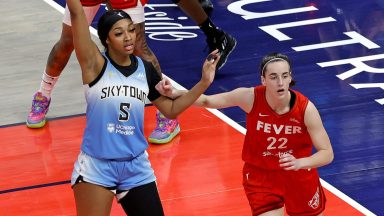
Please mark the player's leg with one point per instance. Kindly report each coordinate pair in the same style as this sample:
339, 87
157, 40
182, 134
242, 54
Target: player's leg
143, 200
56, 62
304, 193
137, 190
207, 6
166, 129
263, 194
92, 199
143, 50
94, 185
216, 38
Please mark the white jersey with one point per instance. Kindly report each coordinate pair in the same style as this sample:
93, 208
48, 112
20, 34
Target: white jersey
115, 113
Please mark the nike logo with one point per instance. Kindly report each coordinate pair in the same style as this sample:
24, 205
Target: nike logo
294, 120
262, 115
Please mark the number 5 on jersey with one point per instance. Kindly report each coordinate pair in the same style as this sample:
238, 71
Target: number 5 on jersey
124, 111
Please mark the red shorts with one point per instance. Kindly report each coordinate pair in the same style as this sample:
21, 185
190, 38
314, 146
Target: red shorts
300, 191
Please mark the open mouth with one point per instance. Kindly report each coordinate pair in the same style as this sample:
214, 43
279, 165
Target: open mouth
128, 47
280, 90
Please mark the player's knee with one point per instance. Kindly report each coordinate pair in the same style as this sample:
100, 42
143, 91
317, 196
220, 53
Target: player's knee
66, 38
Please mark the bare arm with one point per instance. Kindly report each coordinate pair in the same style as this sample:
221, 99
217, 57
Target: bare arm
241, 97
173, 107
87, 53
320, 139
164, 87
321, 142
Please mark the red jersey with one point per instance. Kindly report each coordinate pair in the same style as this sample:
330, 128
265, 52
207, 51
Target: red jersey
270, 135
116, 4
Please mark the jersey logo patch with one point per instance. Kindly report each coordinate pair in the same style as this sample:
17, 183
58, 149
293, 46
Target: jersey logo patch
294, 120
315, 201
111, 127
140, 76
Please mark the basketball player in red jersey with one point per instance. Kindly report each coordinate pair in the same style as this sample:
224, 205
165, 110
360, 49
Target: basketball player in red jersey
282, 127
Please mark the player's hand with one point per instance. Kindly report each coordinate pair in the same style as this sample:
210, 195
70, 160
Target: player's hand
164, 87
289, 162
209, 67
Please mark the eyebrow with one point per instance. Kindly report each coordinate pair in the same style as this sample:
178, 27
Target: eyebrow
122, 27
274, 74
117, 28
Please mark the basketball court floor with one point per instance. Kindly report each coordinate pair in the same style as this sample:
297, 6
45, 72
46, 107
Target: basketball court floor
338, 61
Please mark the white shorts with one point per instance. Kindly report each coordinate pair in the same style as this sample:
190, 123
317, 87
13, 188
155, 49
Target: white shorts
136, 13
117, 176
90, 13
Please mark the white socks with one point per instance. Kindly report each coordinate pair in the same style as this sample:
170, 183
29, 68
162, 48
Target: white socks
47, 84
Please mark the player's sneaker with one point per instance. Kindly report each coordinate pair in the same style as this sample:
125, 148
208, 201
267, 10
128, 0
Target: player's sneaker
39, 108
225, 43
165, 130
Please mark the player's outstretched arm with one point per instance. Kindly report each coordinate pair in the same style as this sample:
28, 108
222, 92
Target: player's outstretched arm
87, 53
173, 107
